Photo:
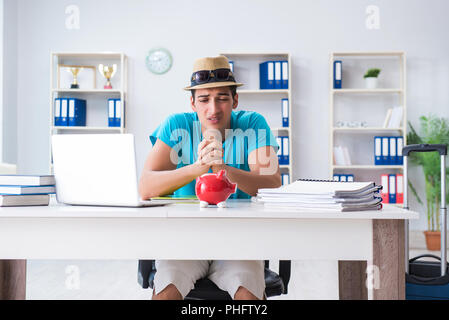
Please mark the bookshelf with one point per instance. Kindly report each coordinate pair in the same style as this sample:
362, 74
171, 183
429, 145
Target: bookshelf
267, 102
91, 89
356, 103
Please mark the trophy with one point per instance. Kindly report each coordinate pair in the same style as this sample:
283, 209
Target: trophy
75, 71
108, 72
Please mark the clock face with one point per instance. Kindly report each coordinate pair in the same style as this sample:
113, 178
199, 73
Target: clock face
159, 61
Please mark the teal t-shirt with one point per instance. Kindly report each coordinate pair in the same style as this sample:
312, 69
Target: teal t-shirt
182, 132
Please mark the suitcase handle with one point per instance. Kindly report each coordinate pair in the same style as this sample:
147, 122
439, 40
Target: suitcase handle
425, 256
441, 148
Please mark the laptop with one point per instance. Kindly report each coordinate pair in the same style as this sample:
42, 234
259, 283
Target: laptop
96, 169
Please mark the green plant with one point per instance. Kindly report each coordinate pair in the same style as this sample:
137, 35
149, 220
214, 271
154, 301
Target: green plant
434, 130
372, 73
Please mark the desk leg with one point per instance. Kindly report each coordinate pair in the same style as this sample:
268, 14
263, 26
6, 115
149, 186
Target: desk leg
12, 279
389, 259
351, 280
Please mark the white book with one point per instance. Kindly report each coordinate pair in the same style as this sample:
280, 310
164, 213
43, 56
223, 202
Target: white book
346, 157
27, 189
27, 180
11, 200
339, 157
396, 117
387, 118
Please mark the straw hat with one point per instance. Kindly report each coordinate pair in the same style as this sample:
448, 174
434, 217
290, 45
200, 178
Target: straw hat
212, 63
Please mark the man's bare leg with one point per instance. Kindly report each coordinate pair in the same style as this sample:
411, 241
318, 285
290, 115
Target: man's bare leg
169, 293
244, 294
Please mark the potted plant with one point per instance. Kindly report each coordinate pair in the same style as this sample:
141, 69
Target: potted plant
371, 78
434, 130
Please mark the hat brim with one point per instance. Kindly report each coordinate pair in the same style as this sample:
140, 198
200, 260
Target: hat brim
214, 85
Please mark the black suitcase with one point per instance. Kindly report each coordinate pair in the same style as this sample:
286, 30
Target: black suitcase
427, 280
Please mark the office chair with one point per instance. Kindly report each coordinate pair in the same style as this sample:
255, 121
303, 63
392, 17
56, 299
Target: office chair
205, 289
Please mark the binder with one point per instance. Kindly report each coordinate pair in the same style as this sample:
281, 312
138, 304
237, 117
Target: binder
279, 152
64, 112
266, 75
57, 111
385, 150
231, 64
285, 178
285, 116
384, 192
377, 150
336, 177
399, 145
77, 112
111, 112
337, 74
392, 188
399, 188
118, 113
284, 84
277, 75
393, 151
350, 178
285, 150
343, 178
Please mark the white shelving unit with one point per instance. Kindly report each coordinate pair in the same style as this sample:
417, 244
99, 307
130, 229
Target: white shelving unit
96, 97
392, 92
265, 101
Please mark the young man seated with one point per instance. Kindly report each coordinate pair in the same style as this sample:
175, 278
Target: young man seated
213, 137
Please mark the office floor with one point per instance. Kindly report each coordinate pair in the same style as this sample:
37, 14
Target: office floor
117, 279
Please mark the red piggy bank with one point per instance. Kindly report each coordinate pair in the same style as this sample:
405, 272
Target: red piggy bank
214, 188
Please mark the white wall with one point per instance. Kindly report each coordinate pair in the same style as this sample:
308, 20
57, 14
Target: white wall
309, 30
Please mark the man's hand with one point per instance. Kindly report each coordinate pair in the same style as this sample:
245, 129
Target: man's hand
210, 154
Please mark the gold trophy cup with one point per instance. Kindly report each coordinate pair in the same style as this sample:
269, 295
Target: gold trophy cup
108, 72
75, 71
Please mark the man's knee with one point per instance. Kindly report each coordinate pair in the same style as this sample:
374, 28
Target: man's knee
170, 292
244, 294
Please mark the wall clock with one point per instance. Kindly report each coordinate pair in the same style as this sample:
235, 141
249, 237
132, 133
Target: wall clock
159, 60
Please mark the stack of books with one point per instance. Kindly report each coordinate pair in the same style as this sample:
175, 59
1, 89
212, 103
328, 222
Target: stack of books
323, 195
26, 190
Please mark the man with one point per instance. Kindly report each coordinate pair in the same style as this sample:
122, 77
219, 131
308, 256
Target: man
213, 137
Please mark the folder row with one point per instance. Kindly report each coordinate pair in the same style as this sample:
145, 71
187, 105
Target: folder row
344, 177
274, 74
392, 188
70, 112
114, 112
283, 151
388, 150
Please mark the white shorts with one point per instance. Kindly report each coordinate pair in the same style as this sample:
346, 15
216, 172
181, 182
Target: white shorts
228, 275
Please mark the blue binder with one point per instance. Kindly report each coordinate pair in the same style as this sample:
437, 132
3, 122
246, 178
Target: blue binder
285, 178
57, 111
337, 74
393, 150
111, 112
266, 75
64, 112
77, 112
377, 150
279, 152
118, 112
350, 177
284, 109
231, 65
336, 177
392, 188
285, 153
284, 84
399, 146
277, 75
386, 150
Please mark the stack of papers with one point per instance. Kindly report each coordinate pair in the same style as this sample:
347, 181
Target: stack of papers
323, 196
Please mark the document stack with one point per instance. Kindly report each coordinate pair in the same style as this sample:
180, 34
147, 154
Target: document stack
26, 190
323, 195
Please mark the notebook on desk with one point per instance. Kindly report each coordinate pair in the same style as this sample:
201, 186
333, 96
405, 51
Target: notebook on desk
323, 195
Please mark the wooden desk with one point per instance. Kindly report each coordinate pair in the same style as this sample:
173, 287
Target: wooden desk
243, 230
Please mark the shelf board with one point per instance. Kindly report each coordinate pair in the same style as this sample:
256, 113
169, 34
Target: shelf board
87, 90
370, 167
368, 53
249, 54
366, 129
104, 54
78, 128
372, 91
286, 166
281, 129
257, 91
